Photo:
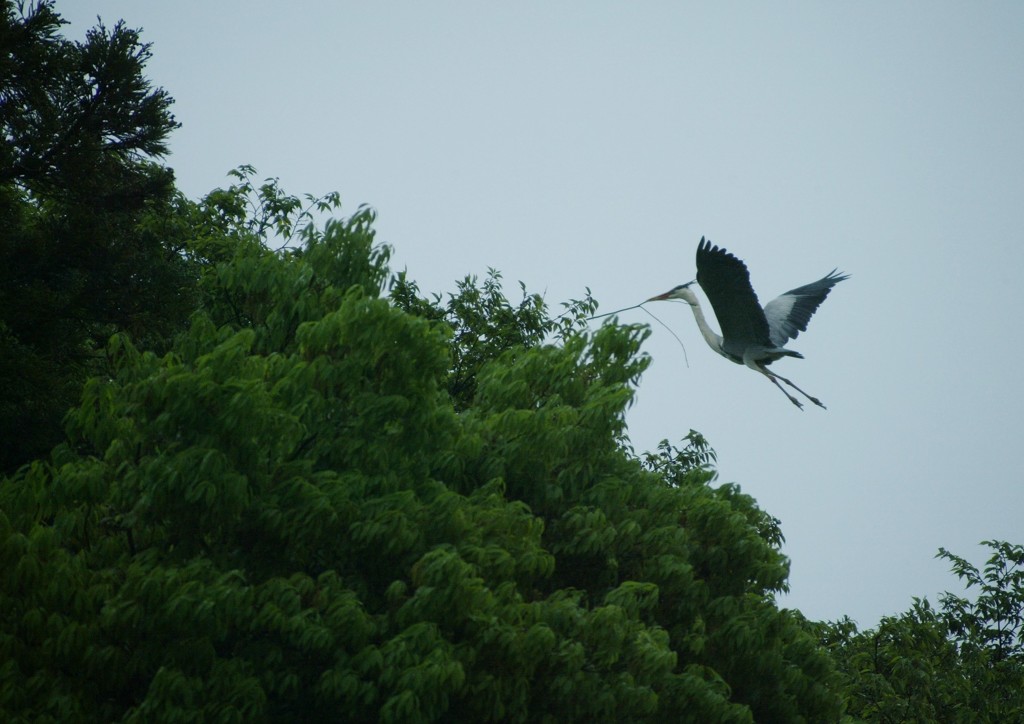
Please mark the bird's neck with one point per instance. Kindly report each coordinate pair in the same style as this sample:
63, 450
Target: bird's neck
713, 340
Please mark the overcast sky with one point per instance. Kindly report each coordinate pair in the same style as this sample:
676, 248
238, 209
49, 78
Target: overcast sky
592, 144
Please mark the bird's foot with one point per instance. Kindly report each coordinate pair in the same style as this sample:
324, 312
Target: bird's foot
795, 401
817, 402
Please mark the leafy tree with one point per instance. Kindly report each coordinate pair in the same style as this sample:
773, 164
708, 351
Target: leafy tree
989, 630
320, 503
485, 324
84, 248
78, 117
963, 662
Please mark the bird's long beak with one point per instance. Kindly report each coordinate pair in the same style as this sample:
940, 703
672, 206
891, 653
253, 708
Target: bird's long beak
668, 294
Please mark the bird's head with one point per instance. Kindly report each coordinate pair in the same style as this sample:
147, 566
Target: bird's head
683, 292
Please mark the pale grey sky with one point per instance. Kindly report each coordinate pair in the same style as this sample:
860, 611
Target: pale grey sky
580, 144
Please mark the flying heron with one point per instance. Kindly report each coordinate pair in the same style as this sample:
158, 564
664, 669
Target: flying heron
751, 336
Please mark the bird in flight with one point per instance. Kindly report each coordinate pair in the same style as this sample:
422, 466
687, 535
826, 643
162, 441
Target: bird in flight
751, 336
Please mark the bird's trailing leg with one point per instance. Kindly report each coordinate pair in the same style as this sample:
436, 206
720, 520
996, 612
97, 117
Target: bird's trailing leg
775, 382
815, 400
758, 367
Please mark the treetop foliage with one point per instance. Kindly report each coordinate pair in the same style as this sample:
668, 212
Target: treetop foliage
323, 500
90, 230
962, 662
68, 107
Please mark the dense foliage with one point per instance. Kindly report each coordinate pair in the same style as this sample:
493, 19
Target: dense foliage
86, 244
962, 662
298, 511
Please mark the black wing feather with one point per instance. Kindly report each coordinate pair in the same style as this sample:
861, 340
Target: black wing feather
726, 282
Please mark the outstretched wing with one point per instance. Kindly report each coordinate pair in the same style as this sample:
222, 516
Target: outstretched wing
789, 314
726, 282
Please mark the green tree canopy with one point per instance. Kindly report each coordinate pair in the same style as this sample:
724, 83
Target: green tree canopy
77, 117
322, 503
962, 662
86, 244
